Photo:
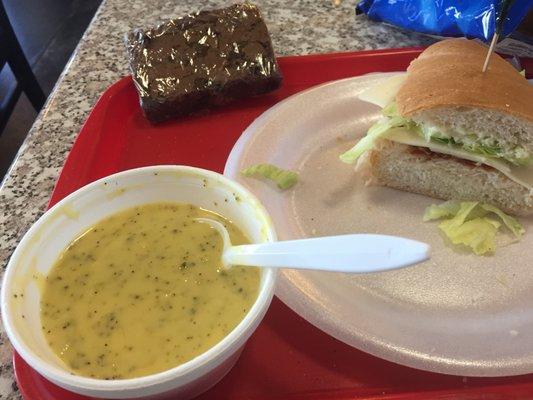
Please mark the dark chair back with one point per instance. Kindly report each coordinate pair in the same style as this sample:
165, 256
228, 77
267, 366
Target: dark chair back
11, 54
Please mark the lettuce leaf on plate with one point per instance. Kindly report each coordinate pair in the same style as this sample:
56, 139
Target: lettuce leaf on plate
478, 233
510, 222
472, 224
284, 179
438, 211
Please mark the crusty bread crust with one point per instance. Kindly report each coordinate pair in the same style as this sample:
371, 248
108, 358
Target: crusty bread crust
418, 170
448, 74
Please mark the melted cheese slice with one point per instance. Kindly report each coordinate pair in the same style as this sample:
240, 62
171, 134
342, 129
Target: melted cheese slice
521, 175
385, 92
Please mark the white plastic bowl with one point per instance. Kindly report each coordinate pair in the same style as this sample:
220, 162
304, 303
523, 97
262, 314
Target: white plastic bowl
43, 243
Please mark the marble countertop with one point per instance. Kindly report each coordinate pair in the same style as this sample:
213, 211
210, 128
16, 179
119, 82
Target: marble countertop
296, 27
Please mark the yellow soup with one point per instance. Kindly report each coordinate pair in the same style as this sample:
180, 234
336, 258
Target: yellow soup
143, 291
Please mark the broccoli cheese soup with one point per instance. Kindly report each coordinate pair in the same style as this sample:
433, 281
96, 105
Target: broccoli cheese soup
144, 291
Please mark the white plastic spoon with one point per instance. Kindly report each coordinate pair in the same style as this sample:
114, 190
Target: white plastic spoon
357, 253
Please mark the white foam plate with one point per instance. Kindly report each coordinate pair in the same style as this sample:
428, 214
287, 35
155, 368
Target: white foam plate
457, 313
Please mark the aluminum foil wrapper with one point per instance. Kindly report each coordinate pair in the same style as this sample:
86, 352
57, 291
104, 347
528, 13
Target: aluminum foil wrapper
202, 60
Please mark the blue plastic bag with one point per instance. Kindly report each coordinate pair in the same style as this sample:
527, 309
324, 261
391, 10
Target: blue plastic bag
469, 18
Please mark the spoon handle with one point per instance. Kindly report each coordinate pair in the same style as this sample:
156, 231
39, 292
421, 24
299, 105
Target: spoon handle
357, 253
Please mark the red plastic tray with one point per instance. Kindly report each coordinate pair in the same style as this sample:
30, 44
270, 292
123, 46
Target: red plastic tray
286, 358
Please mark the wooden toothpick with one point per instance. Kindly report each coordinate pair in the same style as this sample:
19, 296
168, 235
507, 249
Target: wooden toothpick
500, 20
491, 50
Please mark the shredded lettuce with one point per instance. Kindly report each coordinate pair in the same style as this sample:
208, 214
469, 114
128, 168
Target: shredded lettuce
284, 179
462, 213
472, 223
510, 222
391, 110
438, 211
478, 233
376, 131
487, 147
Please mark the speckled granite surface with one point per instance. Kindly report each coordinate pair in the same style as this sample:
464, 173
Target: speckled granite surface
296, 27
